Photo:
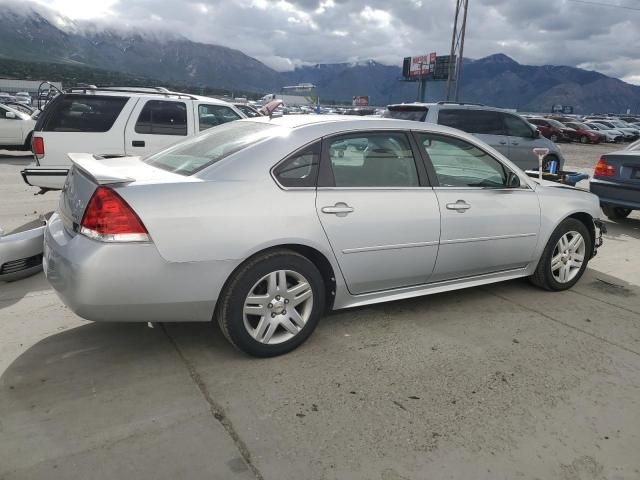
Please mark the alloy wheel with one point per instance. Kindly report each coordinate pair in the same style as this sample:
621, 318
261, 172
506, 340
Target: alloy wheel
568, 257
278, 307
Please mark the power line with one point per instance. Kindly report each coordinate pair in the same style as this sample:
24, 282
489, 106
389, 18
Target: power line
601, 4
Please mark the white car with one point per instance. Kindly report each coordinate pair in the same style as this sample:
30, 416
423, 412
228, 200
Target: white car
116, 122
15, 129
613, 136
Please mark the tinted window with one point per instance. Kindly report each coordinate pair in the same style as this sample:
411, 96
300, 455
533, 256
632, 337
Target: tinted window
516, 127
82, 113
300, 170
373, 160
473, 121
159, 117
417, 114
199, 152
213, 115
460, 164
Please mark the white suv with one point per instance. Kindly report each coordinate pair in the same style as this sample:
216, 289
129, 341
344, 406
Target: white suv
116, 122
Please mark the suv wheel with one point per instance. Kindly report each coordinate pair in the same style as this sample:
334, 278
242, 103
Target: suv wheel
616, 213
565, 257
272, 304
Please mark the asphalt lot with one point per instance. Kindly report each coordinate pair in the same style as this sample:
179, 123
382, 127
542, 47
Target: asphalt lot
499, 382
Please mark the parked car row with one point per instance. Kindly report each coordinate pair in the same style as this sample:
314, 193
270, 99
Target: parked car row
589, 130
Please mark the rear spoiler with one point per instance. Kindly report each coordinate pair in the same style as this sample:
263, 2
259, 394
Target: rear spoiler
96, 169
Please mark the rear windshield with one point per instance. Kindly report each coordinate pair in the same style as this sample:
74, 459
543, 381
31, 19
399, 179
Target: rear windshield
82, 113
216, 143
417, 114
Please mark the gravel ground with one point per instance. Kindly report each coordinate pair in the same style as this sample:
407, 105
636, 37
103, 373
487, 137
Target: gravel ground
584, 157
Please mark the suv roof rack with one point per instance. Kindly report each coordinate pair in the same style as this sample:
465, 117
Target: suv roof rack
148, 90
461, 103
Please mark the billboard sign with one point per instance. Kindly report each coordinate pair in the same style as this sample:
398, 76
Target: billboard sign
360, 101
420, 66
566, 109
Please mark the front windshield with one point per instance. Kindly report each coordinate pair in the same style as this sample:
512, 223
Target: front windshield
219, 142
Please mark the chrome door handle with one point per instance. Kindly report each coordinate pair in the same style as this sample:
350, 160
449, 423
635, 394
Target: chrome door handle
340, 209
461, 206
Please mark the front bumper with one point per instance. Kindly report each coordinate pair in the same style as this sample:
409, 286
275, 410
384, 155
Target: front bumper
128, 282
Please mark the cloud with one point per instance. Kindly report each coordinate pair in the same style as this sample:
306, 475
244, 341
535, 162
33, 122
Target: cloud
287, 33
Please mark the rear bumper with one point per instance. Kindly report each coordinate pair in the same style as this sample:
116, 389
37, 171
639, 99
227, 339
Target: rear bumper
129, 282
21, 252
45, 177
616, 194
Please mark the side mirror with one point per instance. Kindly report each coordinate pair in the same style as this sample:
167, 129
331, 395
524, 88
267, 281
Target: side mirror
9, 115
536, 133
513, 181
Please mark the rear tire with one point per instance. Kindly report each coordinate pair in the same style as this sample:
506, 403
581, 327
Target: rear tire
584, 139
616, 213
548, 274
260, 310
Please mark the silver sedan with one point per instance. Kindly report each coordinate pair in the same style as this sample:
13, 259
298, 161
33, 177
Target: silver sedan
264, 224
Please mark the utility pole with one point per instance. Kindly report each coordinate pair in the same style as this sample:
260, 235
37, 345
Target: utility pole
457, 47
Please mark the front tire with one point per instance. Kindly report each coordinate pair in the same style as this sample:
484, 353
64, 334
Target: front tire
584, 139
565, 257
272, 303
616, 213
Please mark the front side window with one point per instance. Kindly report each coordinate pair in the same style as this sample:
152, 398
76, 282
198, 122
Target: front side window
372, 160
457, 163
301, 169
516, 127
485, 122
161, 117
214, 115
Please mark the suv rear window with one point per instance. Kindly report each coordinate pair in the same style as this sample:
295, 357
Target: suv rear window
485, 122
191, 156
82, 113
409, 112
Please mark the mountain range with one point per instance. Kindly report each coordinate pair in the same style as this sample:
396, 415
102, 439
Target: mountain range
31, 36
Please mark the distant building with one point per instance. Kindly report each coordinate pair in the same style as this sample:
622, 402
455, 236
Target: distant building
29, 86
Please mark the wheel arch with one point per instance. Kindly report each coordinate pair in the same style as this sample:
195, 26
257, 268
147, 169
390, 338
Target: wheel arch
314, 255
587, 221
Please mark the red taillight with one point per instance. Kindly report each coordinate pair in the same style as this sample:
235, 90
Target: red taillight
37, 146
110, 219
604, 169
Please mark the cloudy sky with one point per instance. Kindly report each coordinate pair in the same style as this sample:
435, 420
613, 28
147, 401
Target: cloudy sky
285, 33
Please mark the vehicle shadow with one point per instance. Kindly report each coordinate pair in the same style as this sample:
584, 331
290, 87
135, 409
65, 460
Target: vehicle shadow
15, 158
627, 226
13, 292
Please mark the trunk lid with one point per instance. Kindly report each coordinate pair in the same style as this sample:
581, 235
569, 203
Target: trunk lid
89, 171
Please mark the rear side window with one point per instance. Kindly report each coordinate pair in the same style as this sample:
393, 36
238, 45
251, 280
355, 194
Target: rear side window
301, 169
82, 113
516, 127
485, 122
159, 117
417, 114
214, 115
190, 156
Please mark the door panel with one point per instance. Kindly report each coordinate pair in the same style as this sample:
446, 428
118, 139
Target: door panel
498, 232
389, 240
157, 124
485, 226
383, 226
522, 141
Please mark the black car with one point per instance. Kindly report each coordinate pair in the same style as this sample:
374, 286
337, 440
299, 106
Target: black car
616, 181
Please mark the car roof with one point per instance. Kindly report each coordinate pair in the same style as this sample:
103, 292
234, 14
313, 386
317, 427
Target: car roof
145, 94
342, 123
460, 105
